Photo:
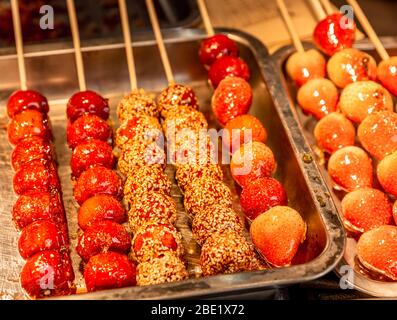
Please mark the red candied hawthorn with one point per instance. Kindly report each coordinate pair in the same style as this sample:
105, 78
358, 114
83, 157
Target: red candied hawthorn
334, 132
36, 176
365, 209
378, 133
351, 168
88, 127
99, 208
252, 161
103, 236
277, 235
95, 181
330, 36
174, 96
395, 212
47, 273
260, 195
109, 270
91, 153
304, 66
40, 236
377, 251
215, 47
33, 148
232, 98
387, 74
351, 65
87, 102
228, 66
387, 173
153, 239
242, 129
38, 206
22, 100
29, 123
318, 97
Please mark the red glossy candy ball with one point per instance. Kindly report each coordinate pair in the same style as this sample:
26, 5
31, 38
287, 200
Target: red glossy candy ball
260, 195
318, 97
36, 176
88, 127
99, 208
395, 212
232, 98
29, 123
84, 102
304, 66
387, 74
330, 36
109, 270
95, 181
334, 132
29, 149
351, 168
228, 67
243, 129
40, 236
37, 206
277, 235
378, 133
387, 173
216, 47
91, 153
252, 161
22, 100
365, 209
103, 236
47, 273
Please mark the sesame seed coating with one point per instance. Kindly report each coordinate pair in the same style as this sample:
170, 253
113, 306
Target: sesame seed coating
138, 155
167, 268
227, 251
142, 128
187, 173
213, 219
138, 102
205, 192
182, 118
144, 179
151, 207
153, 239
174, 96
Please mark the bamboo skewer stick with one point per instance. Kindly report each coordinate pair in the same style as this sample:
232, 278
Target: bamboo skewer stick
19, 43
160, 42
327, 6
125, 25
206, 18
318, 9
76, 44
290, 26
369, 30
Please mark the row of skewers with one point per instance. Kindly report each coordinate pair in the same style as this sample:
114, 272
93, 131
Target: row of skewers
357, 129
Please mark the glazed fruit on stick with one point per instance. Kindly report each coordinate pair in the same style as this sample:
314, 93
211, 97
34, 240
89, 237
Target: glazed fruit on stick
103, 243
39, 212
387, 69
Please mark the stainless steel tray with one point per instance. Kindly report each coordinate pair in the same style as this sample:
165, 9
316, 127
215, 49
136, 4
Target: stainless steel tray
55, 76
351, 274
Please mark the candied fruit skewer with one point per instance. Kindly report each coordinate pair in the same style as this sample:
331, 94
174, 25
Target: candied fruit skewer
301, 65
387, 68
